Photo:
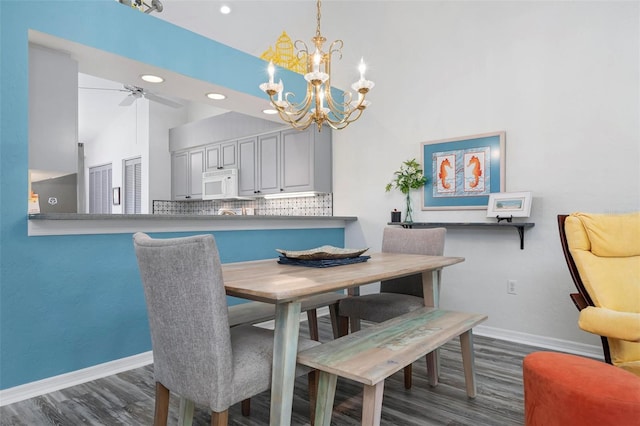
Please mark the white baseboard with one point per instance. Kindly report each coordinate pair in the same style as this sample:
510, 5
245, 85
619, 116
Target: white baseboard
551, 343
41, 387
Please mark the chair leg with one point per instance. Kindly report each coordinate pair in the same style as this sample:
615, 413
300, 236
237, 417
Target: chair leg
354, 323
220, 419
246, 407
408, 379
162, 405
312, 318
313, 394
343, 326
335, 322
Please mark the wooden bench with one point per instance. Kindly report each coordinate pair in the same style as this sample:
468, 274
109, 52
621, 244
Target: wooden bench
371, 355
257, 312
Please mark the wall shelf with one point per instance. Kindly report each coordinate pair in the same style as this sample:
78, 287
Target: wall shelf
520, 226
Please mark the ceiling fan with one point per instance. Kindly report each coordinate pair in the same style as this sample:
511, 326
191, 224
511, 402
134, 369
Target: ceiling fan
135, 93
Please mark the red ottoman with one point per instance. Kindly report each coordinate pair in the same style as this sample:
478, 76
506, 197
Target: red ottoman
561, 389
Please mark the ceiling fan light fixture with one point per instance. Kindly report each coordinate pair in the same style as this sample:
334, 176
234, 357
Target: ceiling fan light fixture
150, 78
216, 96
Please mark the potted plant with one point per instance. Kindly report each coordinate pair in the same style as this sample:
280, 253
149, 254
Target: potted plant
408, 177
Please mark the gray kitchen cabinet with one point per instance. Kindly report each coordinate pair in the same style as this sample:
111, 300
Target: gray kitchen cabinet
306, 160
269, 163
259, 165
179, 176
221, 156
284, 162
186, 174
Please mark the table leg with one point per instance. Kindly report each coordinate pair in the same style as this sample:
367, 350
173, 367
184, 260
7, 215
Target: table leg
185, 415
431, 292
431, 288
324, 402
468, 362
285, 350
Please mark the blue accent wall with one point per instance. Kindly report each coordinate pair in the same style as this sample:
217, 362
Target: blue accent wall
71, 302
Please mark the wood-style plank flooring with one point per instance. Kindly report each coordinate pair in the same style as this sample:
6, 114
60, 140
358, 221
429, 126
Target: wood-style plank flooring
128, 398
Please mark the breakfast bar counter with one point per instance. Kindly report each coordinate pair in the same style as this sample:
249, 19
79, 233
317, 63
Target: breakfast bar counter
76, 224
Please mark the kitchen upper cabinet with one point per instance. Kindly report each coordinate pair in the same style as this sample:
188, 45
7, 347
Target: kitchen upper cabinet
221, 156
285, 162
186, 174
268, 164
258, 165
306, 160
276, 162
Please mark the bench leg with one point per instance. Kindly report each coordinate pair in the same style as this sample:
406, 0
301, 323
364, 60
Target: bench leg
372, 404
324, 402
466, 345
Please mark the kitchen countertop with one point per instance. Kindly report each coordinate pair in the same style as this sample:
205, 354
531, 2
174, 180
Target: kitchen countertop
83, 216
78, 223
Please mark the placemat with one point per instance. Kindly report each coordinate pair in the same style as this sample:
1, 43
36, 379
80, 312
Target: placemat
322, 263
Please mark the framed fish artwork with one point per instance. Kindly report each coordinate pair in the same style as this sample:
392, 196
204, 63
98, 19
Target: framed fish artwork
462, 172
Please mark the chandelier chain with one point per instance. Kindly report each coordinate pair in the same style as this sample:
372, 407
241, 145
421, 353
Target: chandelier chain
318, 20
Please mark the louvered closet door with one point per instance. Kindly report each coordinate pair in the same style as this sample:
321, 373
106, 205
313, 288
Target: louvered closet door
133, 186
100, 189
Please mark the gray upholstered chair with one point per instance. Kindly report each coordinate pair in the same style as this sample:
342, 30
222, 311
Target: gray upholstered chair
195, 352
400, 295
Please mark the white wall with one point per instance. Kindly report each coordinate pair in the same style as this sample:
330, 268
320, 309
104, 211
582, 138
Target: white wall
53, 110
124, 138
162, 119
140, 130
561, 78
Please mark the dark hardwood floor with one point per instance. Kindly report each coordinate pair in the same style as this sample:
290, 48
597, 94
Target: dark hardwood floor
128, 398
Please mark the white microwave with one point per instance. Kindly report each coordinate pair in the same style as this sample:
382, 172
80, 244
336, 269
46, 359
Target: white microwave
220, 184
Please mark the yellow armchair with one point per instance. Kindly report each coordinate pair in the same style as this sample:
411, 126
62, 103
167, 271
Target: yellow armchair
603, 255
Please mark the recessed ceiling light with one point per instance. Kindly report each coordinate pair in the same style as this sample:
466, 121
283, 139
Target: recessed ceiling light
216, 96
225, 9
150, 78
269, 111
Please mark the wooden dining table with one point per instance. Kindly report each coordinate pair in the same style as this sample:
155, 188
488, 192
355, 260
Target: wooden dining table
285, 285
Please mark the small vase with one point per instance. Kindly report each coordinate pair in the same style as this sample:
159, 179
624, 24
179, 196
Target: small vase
408, 216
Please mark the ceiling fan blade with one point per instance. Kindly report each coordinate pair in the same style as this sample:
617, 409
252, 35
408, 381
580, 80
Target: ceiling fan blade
161, 100
128, 100
103, 88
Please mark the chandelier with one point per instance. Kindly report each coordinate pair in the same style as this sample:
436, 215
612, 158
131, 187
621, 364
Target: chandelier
319, 105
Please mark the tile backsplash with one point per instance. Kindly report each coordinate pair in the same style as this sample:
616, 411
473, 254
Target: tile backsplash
318, 205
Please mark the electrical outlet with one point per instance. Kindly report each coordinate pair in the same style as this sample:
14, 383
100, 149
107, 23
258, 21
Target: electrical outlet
511, 286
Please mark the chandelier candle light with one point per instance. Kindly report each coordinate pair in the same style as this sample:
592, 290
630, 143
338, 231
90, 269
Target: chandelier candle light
318, 106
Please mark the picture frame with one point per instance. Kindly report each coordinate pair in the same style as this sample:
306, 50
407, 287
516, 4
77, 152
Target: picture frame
505, 205
463, 171
116, 196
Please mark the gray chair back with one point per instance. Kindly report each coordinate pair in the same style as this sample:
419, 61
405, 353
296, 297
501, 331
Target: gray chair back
188, 316
429, 241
